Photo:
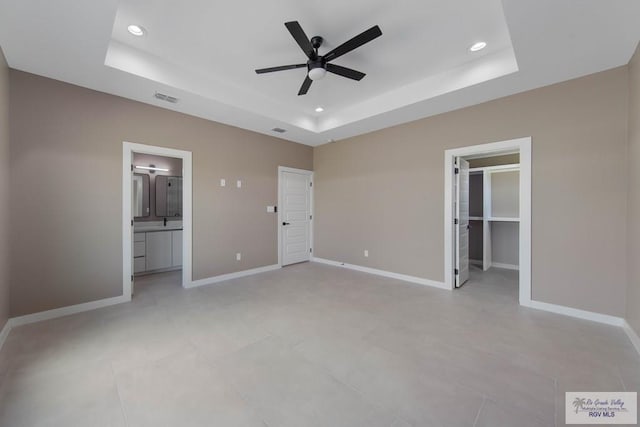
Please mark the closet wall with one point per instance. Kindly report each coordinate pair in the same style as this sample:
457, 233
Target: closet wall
505, 202
475, 210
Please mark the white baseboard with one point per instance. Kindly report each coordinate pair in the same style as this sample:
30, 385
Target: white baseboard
235, 275
404, 277
505, 266
633, 336
4, 333
574, 312
79, 308
66, 311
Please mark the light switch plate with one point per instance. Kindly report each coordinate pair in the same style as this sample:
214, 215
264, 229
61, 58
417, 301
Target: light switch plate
238, 256
366, 253
239, 184
223, 182
270, 209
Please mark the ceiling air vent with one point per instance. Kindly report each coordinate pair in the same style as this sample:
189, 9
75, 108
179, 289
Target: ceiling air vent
279, 130
168, 98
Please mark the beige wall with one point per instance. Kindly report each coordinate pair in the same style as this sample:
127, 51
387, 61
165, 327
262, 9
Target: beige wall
66, 166
633, 213
4, 190
384, 191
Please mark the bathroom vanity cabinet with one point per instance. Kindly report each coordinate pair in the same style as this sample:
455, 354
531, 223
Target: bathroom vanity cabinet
157, 250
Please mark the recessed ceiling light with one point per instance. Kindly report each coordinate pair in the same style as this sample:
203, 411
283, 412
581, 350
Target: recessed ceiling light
136, 30
477, 46
319, 109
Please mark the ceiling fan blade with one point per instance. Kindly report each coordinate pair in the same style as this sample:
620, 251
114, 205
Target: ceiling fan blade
345, 72
354, 43
281, 68
301, 38
306, 84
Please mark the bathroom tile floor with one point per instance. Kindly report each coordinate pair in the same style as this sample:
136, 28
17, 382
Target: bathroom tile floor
310, 345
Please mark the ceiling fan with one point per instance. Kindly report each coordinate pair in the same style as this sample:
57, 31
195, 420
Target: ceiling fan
318, 65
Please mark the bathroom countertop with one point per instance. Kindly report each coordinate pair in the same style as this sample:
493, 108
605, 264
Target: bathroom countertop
161, 228
143, 227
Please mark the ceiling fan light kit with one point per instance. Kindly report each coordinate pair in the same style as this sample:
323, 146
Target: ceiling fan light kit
316, 71
318, 65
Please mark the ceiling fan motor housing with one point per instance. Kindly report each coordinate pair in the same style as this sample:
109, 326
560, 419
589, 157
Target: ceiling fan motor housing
316, 63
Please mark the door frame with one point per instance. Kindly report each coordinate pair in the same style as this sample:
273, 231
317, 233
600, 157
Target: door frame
128, 148
523, 146
311, 206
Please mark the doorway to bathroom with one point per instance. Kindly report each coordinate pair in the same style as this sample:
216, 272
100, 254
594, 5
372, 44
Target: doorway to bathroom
157, 220
157, 215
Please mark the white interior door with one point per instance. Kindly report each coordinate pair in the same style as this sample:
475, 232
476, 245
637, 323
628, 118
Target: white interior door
462, 220
295, 215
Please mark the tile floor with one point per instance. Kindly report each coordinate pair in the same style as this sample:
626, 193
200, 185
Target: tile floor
310, 345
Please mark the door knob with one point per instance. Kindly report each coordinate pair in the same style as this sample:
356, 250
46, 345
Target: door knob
285, 223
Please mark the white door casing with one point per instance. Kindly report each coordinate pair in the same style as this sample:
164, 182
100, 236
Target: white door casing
295, 215
462, 219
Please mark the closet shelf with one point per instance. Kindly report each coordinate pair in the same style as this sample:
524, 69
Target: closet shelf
503, 219
494, 219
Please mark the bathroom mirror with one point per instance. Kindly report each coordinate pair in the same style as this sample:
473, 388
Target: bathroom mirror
169, 196
140, 194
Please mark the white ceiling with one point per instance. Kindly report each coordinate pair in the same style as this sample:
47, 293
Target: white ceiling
205, 53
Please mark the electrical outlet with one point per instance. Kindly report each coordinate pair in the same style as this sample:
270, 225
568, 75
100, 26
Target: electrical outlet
366, 253
223, 182
239, 184
238, 256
